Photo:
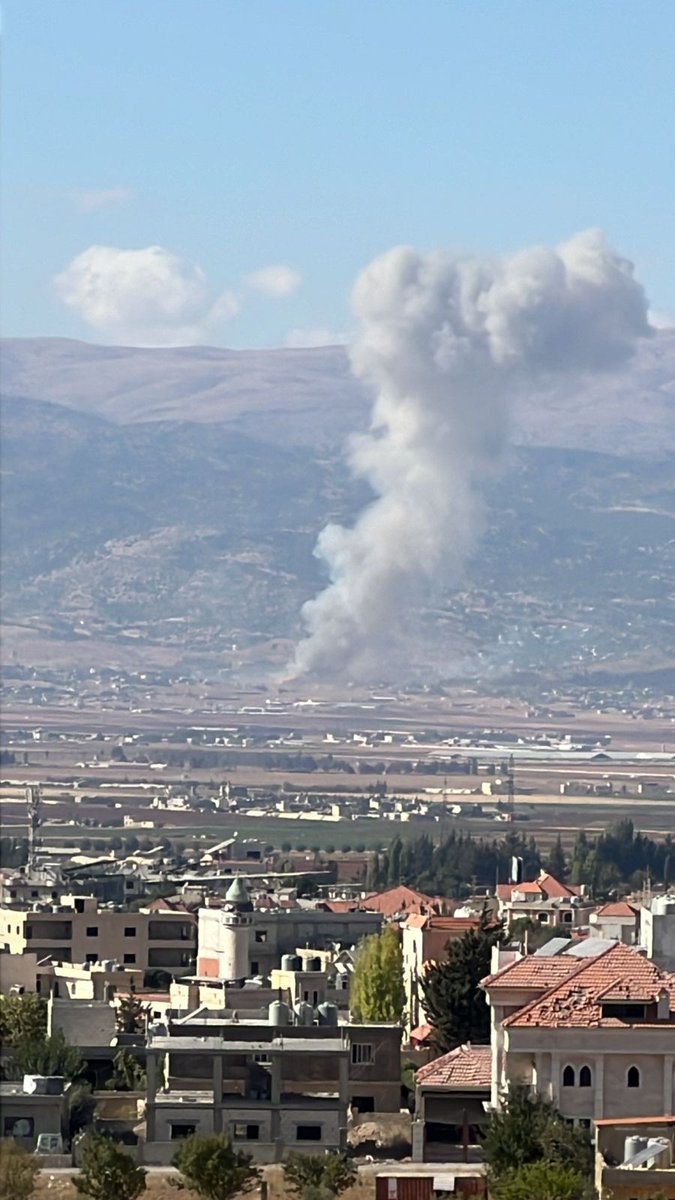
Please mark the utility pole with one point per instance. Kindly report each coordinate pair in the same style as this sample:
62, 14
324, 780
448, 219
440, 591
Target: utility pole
34, 805
511, 791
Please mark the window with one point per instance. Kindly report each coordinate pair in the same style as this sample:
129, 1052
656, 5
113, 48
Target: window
181, 1130
130, 958
34, 893
584, 1122
308, 1133
130, 931
255, 968
585, 1077
633, 1077
128, 883
246, 1133
261, 935
91, 958
624, 1012
362, 1052
568, 1077
542, 918
92, 930
567, 918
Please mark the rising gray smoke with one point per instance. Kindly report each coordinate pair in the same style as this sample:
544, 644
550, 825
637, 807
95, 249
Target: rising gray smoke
446, 343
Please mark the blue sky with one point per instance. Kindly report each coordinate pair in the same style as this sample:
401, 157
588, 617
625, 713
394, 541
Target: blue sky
311, 135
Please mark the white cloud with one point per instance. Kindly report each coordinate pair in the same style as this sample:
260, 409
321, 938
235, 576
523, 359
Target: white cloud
93, 200
661, 320
146, 297
299, 338
276, 280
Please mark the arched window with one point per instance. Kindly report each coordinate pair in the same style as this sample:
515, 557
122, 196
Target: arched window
633, 1077
568, 1077
585, 1079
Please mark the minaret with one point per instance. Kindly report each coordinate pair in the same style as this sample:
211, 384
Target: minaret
235, 933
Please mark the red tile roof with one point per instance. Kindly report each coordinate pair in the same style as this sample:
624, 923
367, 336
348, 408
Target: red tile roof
421, 1033
619, 909
533, 972
455, 925
618, 974
547, 885
398, 900
463, 1068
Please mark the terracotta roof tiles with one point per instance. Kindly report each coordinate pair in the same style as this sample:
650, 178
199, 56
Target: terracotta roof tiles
463, 1068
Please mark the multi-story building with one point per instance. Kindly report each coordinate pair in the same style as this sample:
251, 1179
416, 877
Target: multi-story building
276, 1084
657, 930
237, 940
79, 930
423, 940
545, 900
594, 1032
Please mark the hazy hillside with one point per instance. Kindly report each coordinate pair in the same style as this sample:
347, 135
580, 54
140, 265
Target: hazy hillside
171, 499
310, 397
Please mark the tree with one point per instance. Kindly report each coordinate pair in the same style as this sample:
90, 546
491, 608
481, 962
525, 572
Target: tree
528, 1129
456, 1008
540, 1181
212, 1168
128, 1075
377, 991
48, 1056
18, 1172
318, 1176
131, 1014
22, 1018
108, 1170
556, 863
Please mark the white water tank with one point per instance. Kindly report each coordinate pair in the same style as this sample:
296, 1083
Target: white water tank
278, 1013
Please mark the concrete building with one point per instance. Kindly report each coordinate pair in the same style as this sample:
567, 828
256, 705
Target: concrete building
274, 1085
635, 1158
450, 1097
619, 921
33, 1106
595, 1034
424, 939
657, 930
79, 930
227, 943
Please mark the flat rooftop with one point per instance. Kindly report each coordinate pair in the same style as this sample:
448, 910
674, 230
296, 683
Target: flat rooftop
280, 1045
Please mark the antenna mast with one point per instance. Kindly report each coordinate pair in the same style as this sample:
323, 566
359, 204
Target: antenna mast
34, 805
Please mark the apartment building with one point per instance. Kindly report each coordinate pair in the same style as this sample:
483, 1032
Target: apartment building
79, 930
592, 1029
423, 940
275, 1084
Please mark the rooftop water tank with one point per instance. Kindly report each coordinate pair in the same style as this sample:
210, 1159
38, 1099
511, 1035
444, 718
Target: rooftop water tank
304, 1013
327, 1014
279, 1014
289, 962
632, 1146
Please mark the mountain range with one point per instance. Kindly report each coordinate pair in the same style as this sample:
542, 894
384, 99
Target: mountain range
162, 506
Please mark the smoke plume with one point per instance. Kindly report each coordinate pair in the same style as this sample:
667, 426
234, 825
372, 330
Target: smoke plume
446, 343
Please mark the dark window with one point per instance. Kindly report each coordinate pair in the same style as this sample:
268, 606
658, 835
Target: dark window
92, 930
255, 968
362, 1052
585, 1079
584, 1122
79, 906
34, 892
12, 892
365, 1104
308, 1133
129, 883
633, 1077
568, 1077
625, 1012
181, 1131
261, 935
567, 917
542, 918
92, 958
18, 1127
130, 931
247, 1133
130, 958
